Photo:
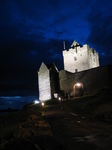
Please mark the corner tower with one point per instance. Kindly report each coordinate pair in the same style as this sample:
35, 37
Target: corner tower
44, 83
48, 81
79, 58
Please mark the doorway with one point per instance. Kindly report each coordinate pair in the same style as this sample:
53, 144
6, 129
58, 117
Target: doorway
78, 89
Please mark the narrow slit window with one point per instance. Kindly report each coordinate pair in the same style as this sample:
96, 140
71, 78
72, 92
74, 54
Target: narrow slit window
75, 58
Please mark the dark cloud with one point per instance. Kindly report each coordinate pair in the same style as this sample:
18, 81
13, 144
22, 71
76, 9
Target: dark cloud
20, 62
32, 32
101, 30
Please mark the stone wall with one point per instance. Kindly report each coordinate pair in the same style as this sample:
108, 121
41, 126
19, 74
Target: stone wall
44, 83
48, 81
92, 79
93, 58
80, 58
54, 79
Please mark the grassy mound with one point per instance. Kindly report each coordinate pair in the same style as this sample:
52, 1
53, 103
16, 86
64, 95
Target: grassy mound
23, 124
97, 105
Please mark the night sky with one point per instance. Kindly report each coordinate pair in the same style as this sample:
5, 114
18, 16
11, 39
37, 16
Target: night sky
33, 31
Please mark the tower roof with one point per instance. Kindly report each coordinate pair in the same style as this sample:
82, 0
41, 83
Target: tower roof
75, 44
52, 66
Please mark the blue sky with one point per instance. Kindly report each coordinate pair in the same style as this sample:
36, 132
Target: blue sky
32, 31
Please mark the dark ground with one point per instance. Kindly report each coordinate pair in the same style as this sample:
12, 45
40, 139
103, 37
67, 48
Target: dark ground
67, 131
76, 132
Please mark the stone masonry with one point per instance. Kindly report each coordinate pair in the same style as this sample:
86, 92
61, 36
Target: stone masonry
81, 65
79, 58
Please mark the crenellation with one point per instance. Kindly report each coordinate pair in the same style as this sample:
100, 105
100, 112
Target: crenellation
79, 58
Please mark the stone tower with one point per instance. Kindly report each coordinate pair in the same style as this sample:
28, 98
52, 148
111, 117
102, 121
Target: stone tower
79, 58
48, 81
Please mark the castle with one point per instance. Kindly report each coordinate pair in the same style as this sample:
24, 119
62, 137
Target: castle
80, 58
81, 74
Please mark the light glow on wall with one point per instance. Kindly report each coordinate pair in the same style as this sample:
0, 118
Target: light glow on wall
78, 89
42, 103
78, 84
59, 98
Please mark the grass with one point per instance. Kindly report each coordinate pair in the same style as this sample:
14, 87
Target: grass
52, 102
22, 124
97, 105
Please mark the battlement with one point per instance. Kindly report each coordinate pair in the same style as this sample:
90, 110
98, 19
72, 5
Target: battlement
79, 58
75, 50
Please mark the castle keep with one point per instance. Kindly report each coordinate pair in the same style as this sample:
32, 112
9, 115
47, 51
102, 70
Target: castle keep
80, 58
81, 74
